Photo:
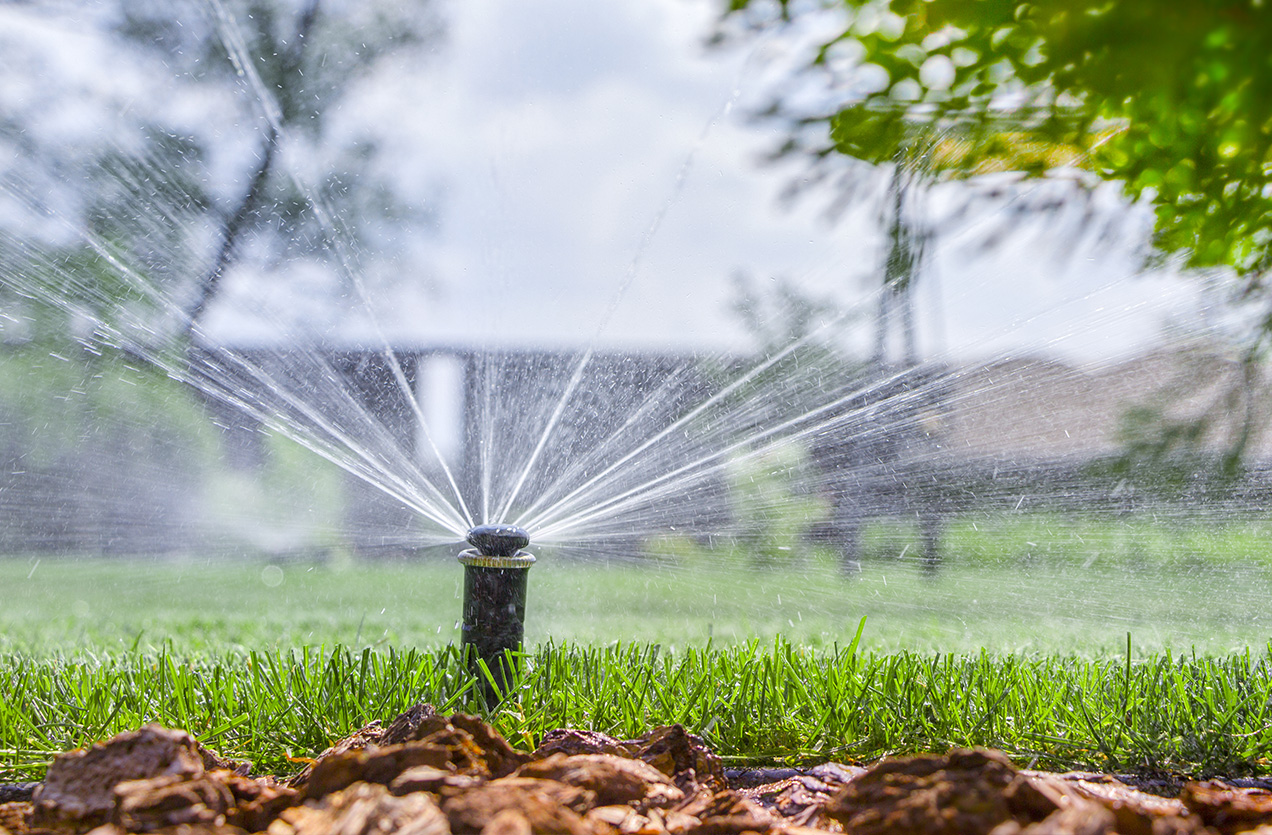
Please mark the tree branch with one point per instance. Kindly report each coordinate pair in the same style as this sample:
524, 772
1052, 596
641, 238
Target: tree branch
234, 227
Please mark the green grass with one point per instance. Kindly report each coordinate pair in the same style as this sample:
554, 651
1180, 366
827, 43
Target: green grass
1134, 542
753, 702
1059, 606
1020, 643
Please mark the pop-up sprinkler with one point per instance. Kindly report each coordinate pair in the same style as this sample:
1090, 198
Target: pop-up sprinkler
495, 571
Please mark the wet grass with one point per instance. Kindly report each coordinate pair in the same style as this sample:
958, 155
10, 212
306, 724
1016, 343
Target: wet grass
1061, 602
1027, 652
774, 702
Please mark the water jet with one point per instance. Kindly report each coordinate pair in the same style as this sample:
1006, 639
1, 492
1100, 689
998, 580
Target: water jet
495, 571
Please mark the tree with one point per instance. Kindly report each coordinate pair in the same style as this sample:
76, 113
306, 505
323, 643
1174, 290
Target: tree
303, 59
1172, 99
237, 157
206, 137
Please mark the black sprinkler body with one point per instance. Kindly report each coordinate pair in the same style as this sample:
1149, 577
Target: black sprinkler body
495, 570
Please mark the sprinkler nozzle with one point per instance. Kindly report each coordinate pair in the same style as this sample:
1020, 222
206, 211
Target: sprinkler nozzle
495, 601
498, 540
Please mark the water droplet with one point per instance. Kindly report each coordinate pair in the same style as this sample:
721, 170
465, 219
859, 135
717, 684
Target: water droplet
272, 576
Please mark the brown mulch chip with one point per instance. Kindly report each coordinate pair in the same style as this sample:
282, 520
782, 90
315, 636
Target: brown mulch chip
78, 791
373, 764
544, 805
1135, 811
613, 780
670, 749
802, 798
425, 774
363, 809
15, 816
218, 797
179, 829
458, 744
1228, 810
426, 778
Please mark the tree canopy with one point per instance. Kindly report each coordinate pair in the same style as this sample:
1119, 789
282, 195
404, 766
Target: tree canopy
1170, 98
228, 148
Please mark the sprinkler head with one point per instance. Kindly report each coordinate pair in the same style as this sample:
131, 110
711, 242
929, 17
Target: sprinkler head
498, 540
495, 571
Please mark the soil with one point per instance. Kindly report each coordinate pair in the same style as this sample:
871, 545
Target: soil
427, 774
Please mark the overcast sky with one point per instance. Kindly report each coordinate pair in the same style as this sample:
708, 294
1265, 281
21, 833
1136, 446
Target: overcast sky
595, 171
567, 130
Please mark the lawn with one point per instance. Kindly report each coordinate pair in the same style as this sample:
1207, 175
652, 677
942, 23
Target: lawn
1062, 603
1065, 655
754, 703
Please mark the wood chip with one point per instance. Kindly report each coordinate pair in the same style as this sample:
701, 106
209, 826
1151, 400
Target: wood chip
363, 809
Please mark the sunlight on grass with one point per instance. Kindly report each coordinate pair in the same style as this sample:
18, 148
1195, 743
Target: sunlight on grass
1135, 659
1049, 605
753, 702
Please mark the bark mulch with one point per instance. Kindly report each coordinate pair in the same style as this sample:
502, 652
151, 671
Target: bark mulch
426, 774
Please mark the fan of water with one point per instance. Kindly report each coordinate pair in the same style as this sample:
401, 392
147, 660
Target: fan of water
967, 468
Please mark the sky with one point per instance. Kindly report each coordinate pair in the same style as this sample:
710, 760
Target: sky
597, 175
601, 151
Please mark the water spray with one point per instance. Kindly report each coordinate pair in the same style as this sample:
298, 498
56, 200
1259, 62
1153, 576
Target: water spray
495, 570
